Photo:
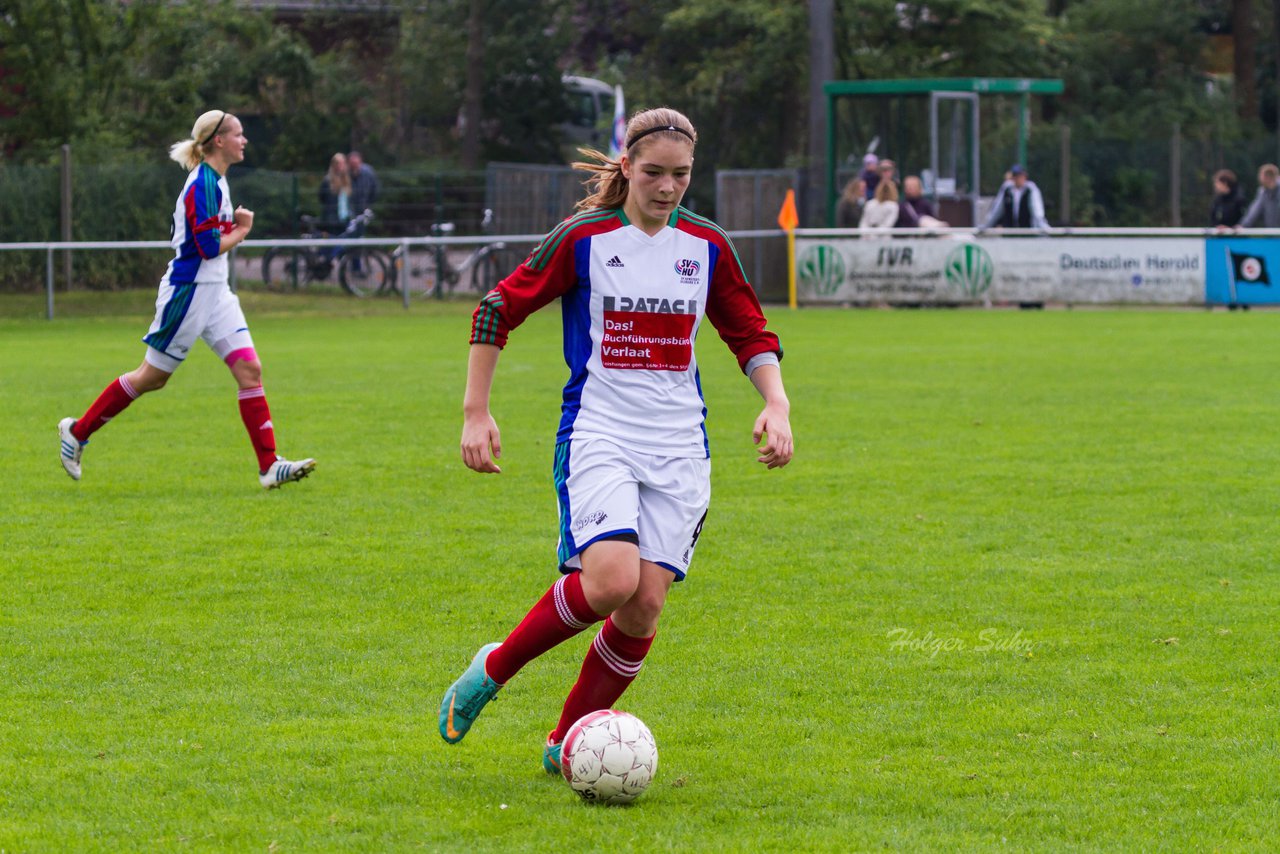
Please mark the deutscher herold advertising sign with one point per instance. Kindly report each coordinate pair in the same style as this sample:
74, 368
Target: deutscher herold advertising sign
961, 269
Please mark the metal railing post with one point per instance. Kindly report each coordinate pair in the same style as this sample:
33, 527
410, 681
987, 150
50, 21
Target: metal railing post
405, 267
439, 250
66, 214
1064, 185
48, 283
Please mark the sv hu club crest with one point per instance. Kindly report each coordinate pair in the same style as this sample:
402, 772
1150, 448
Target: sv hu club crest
687, 268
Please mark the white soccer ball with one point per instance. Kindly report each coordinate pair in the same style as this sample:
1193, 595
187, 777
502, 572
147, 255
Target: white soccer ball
609, 757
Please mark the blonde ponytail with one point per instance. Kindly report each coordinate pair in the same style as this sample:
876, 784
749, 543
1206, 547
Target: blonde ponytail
608, 186
189, 152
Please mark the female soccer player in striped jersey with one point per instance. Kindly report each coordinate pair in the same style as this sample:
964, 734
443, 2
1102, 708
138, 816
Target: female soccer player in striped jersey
635, 273
196, 301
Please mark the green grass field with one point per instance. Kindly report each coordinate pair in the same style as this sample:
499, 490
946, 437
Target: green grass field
1016, 591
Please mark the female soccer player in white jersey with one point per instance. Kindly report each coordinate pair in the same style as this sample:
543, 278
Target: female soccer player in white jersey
195, 301
635, 273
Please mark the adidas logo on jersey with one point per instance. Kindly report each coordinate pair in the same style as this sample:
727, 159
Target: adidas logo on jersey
615, 261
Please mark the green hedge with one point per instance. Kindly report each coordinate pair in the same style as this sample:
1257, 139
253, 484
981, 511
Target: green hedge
135, 202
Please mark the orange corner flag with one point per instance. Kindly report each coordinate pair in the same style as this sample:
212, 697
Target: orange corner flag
788, 219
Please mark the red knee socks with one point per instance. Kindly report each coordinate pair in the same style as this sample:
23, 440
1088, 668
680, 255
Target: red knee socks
257, 421
612, 663
110, 403
559, 615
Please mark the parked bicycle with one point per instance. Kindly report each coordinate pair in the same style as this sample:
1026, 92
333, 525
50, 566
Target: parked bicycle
482, 268
362, 270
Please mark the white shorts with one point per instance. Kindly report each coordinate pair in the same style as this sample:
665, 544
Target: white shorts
608, 492
187, 312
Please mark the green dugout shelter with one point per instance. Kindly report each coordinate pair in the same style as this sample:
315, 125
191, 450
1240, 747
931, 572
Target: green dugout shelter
953, 128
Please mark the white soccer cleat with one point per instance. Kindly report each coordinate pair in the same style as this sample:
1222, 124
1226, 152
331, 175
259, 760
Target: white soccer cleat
71, 448
284, 471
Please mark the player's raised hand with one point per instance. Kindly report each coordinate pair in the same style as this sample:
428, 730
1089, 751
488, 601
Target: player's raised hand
481, 443
243, 217
774, 425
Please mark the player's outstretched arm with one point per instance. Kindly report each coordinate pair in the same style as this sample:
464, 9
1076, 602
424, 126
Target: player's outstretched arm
481, 442
774, 421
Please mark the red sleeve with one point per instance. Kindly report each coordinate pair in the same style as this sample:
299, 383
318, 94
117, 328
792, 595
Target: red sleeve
550, 271
732, 306
521, 294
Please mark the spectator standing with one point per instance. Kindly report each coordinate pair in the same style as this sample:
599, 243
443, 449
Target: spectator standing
870, 176
914, 198
913, 195
888, 171
907, 217
1228, 202
1265, 210
881, 213
852, 201
335, 195
364, 185
1018, 204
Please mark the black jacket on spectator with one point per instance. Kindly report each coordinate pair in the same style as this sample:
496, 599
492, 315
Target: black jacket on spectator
849, 214
1024, 212
907, 216
364, 189
329, 218
1030, 212
1228, 208
922, 206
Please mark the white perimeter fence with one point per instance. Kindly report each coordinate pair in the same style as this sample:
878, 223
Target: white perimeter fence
404, 245
958, 266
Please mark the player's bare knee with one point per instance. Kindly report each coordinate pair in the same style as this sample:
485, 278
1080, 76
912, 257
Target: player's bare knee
615, 592
241, 358
608, 586
143, 381
248, 373
610, 573
638, 617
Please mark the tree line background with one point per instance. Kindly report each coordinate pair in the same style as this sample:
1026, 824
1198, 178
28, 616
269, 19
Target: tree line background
453, 84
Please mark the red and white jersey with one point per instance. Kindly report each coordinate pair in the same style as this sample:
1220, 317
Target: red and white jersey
632, 306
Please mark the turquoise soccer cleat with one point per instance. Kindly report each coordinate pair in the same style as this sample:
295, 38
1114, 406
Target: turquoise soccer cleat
551, 755
466, 698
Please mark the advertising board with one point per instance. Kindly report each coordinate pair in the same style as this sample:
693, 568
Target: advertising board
961, 269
